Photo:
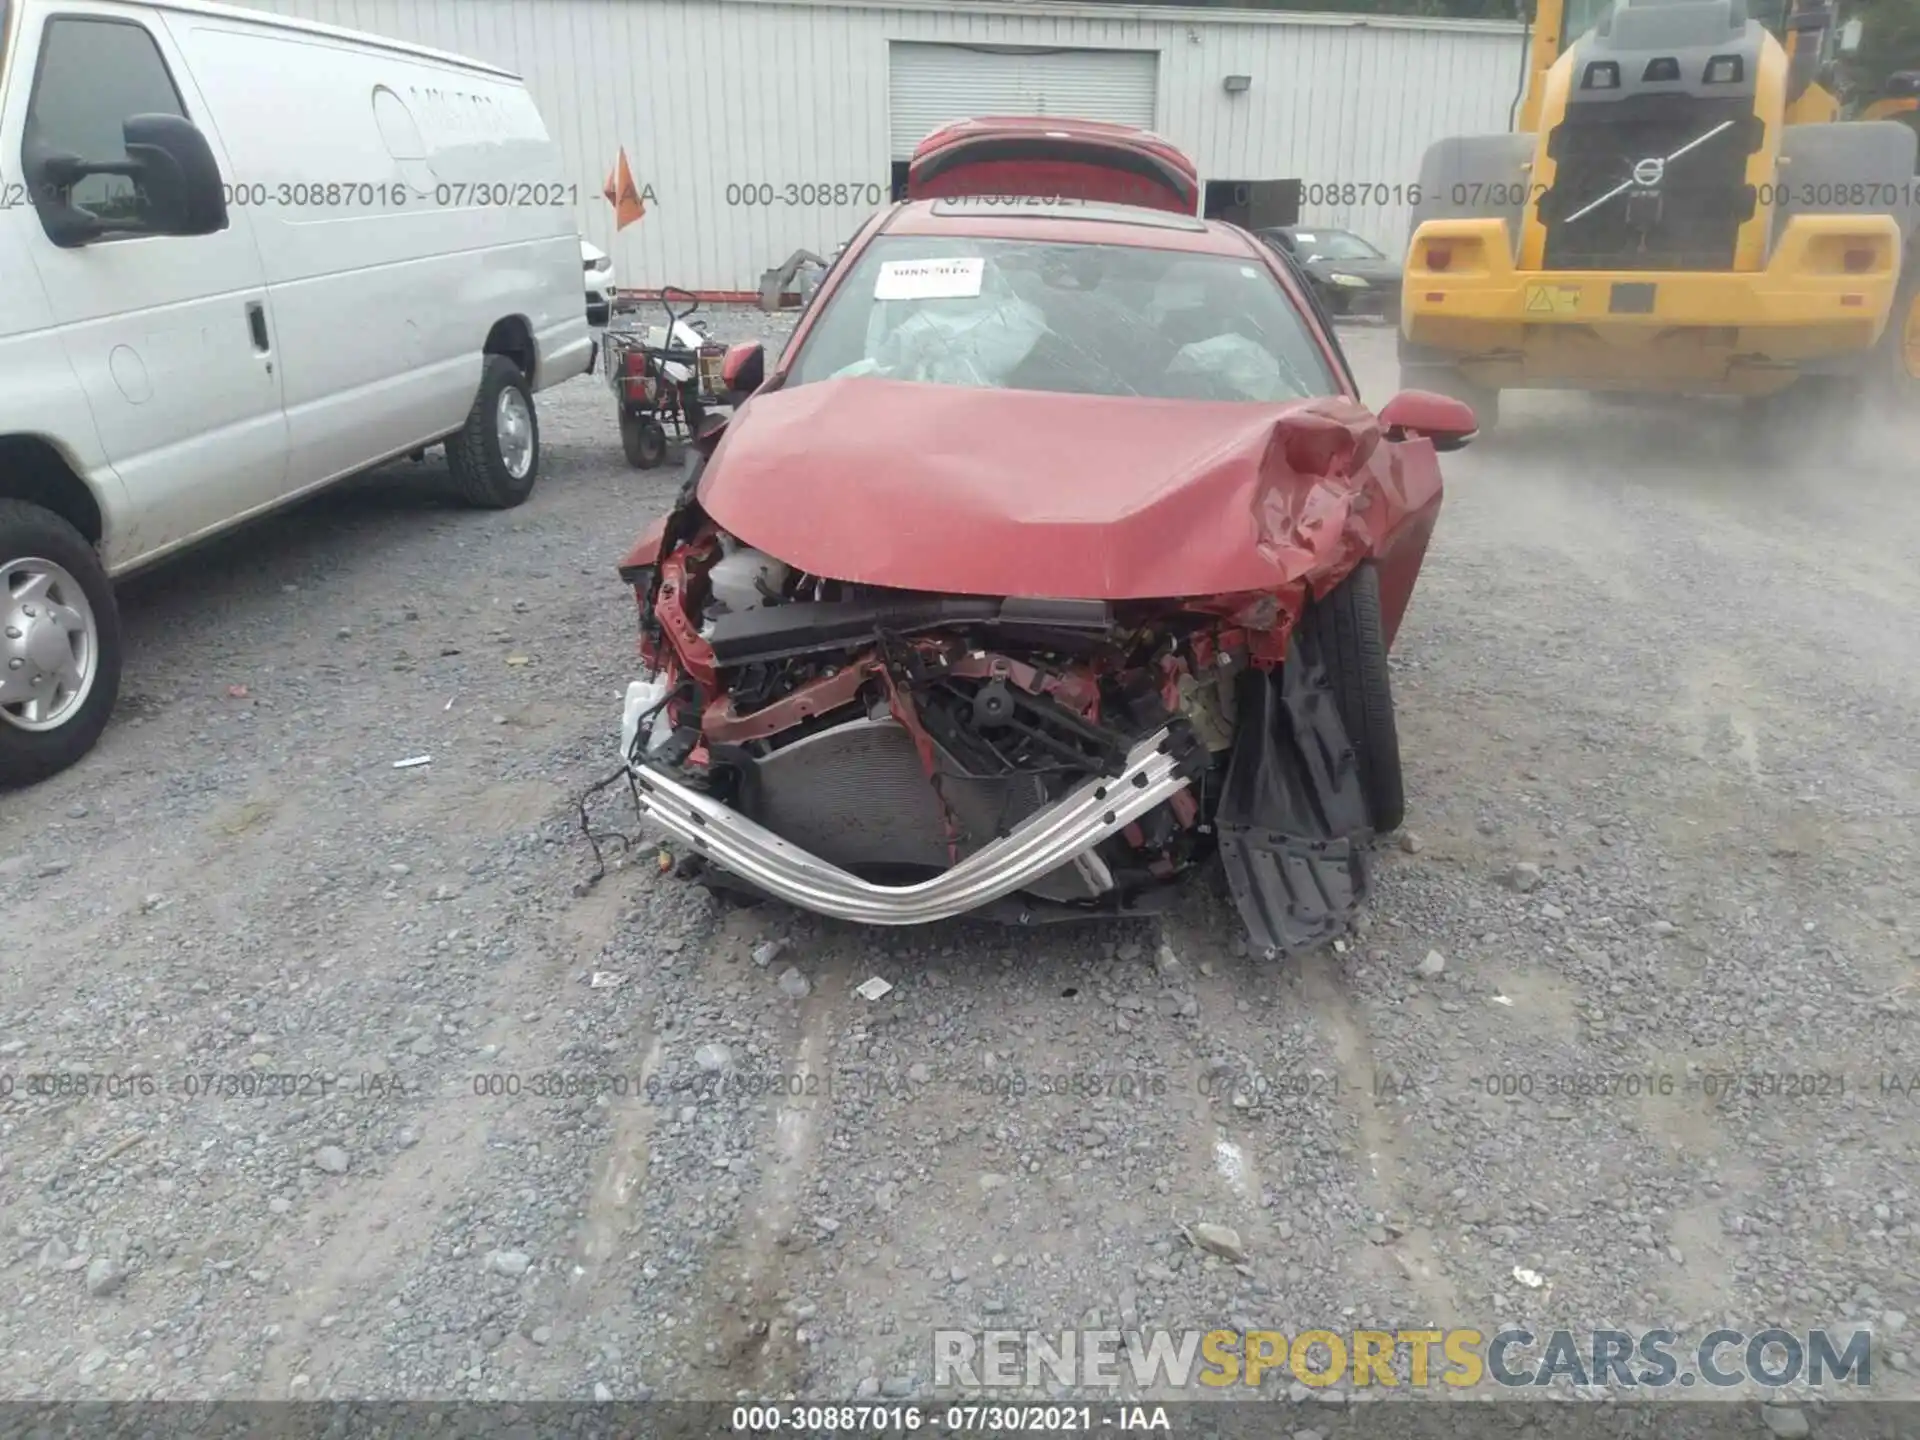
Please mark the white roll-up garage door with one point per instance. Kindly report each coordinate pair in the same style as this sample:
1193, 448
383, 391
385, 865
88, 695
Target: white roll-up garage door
929, 85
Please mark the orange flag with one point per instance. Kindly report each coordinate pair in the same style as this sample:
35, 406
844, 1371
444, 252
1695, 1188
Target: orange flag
623, 194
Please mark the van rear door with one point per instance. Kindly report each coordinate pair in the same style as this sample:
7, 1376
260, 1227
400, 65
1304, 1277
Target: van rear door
1045, 156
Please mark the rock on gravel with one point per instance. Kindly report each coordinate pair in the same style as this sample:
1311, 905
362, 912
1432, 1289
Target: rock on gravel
332, 1159
1222, 1240
1432, 965
794, 985
514, 1263
104, 1277
1785, 1422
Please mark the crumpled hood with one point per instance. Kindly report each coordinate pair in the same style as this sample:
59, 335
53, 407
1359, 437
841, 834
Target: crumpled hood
1020, 493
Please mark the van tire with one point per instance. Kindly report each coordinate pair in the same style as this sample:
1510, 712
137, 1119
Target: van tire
29, 756
482, 475
1347, 634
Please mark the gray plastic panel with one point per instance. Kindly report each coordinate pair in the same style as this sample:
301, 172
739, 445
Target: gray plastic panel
1851, 168
1474, 177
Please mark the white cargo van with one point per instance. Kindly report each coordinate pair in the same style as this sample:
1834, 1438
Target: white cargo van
242, 257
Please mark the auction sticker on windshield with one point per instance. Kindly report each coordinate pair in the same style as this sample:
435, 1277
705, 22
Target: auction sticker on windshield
955, 279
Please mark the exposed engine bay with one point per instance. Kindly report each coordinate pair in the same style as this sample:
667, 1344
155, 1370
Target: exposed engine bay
896, 757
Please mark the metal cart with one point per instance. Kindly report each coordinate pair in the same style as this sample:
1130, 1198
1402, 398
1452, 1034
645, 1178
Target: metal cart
661, 377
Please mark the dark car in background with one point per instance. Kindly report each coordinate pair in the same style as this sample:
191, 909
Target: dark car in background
1348, 274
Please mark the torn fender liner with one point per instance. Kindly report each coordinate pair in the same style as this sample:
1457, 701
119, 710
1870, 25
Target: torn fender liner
1292, 822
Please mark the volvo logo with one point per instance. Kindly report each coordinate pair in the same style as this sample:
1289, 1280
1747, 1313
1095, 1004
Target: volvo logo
1649, 172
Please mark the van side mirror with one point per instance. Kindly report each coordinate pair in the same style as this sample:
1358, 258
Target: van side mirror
1447, 423
176, 185
744, 369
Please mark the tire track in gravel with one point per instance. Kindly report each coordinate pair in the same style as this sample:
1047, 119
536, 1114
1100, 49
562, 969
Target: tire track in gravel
1318, 1059
744, 1341
362, 1242
367, 1237
620, 1173
1383, 1161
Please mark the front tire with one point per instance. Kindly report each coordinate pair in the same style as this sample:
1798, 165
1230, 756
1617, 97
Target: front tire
1899, 359
495, 458
1347, 634
1817, 415
643, 439
60, 623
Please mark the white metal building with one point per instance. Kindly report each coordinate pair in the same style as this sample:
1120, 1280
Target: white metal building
758, 127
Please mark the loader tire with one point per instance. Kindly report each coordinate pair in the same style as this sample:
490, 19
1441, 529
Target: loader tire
1346, 632
1898, 363
1816, 417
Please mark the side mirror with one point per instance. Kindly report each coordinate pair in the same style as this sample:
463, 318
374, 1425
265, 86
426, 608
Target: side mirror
744, 369
174, 165
1448, 424
176, 185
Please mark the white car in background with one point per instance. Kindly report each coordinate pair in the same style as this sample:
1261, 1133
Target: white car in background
599, 268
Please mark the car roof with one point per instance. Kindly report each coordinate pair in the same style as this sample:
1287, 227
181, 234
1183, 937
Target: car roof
1067, 222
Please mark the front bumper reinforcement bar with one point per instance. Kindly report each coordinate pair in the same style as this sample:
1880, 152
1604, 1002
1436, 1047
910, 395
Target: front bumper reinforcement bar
1040, 844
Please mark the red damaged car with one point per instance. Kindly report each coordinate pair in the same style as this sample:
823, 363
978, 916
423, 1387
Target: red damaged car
1056, 558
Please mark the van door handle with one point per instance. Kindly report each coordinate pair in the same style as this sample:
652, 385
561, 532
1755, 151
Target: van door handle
257, 322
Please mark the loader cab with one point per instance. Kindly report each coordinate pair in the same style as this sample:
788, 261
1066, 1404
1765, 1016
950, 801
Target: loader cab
1578, 17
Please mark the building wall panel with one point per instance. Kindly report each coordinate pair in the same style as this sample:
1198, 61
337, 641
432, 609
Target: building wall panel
710, 97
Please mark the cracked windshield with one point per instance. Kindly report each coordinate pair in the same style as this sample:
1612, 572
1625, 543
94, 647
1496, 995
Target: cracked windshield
1069, 318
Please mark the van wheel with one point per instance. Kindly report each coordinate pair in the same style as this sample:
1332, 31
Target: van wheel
496, 456
59, 644
1348, 636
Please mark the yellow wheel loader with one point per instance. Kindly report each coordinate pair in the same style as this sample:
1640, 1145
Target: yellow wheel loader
1900, 347
1680, 209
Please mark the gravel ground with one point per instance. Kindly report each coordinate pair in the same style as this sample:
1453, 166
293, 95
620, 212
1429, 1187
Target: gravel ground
1659, 710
